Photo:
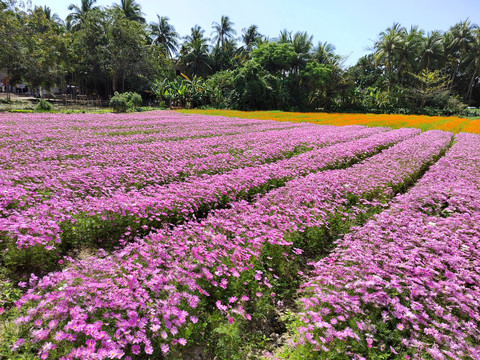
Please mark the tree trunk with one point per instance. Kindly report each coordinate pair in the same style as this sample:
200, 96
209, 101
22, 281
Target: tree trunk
114, 82
470, 86
450, 86
8, 87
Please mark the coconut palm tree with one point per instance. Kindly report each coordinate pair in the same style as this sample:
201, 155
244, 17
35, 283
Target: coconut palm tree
451, 56
471, 62
250, 36
457, 42
302, 43
324, 53
386, 47
195, 53
196, 33
47, 12
223, 32
431, 51
285, 37
408, 51
132, 10
79, 12
164, 35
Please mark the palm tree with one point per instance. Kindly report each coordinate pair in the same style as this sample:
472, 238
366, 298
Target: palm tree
450, 56
463, 34
164, 35
285, 37
302, 43
196, 33
386, 47
132, 10
78, 12
431, 52
408, 50
457, 41
223, 32
250, 36
325, 54
471, 61
47, 12
195, 53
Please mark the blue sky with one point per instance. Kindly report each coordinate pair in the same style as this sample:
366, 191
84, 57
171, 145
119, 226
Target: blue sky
351, 25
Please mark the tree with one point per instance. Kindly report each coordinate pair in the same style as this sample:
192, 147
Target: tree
125, 49
285, 37
196, 33
47, 12
89, 56
132, 10
431, 51
429, 85
471, 61
386, 48
223, 32
314, 80
164, 35
46, 48
79, 12
458, 42
324, 53
250, 36
12, 45
250, 88
194, 53
276, 58
408, 51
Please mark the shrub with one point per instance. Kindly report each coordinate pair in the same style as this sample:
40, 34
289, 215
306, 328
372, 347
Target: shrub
125, 102
44, 105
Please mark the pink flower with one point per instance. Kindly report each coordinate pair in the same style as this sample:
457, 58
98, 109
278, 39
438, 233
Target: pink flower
17, 344
165, 348
136, 349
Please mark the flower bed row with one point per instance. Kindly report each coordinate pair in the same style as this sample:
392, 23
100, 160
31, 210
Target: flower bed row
107, 219
406, 284
135, 166
161, 291
74, 130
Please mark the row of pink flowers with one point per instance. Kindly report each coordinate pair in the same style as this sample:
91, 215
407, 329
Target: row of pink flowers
407, 282
154, 206
148, 293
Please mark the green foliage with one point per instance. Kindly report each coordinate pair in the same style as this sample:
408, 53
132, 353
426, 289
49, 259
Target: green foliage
125, 102
183, 91
250, 88
44, 105
275, 57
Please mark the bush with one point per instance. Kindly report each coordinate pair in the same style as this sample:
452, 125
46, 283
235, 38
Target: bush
44, 105
125, 102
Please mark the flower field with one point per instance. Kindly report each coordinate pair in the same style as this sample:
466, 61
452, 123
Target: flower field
451, 123
165, 236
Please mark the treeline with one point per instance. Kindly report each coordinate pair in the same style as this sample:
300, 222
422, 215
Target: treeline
103, 50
